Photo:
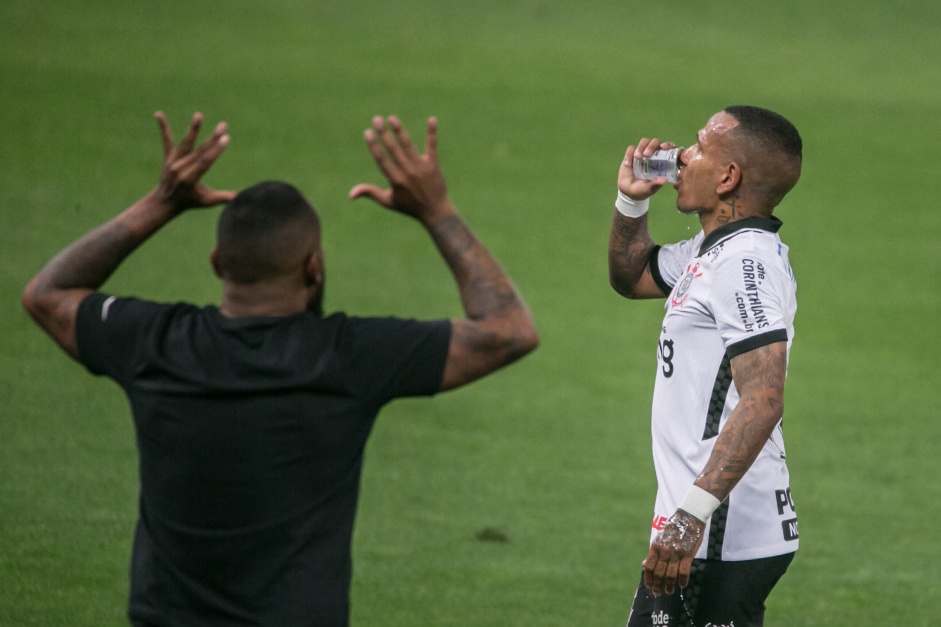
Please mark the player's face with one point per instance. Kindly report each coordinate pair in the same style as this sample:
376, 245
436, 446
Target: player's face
703, 163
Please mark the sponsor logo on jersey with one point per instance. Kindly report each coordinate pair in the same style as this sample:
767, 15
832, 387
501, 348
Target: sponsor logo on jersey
785, 503
750, 308
789, 529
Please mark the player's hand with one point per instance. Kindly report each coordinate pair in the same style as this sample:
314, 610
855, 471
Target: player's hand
671, 554
417, 185
628, 184
183, 166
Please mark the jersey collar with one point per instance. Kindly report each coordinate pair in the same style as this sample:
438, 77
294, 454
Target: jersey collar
771, 224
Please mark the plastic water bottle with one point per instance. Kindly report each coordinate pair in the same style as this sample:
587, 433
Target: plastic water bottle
664, 163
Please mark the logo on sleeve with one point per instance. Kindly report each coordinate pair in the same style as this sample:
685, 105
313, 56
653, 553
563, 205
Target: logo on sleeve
681, 293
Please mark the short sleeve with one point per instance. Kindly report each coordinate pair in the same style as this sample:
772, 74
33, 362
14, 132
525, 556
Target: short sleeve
108, 330
396, 357
668, 262
750, 301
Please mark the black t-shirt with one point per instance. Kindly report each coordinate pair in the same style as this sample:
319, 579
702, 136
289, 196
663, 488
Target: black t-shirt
251, 434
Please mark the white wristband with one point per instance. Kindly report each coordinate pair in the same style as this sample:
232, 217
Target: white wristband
630, 207
699, 503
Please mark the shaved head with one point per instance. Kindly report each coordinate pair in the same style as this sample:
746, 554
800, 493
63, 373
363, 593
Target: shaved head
770, 148
268, 230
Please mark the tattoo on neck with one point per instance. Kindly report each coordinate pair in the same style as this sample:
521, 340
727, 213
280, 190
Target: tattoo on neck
731, 214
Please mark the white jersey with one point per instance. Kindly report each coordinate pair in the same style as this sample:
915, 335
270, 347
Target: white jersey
729, 293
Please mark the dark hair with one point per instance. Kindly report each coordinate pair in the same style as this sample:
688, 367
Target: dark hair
264, 231
772, 130
773, 147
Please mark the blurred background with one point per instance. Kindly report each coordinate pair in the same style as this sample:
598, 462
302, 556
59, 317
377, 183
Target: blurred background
525, 499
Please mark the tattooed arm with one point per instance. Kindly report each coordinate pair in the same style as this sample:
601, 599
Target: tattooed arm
759, 378
629, 250
497, 328
52, 296
630, 244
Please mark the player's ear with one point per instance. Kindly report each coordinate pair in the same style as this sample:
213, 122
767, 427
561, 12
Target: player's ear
731, 177
214, 260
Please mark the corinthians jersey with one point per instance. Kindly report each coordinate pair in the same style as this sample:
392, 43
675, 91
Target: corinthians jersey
729, 293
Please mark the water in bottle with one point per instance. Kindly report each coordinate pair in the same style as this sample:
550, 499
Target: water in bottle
664, 163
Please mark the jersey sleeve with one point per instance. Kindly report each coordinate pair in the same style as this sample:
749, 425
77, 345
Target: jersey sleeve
108, 330
750, 301
667, 263
397, 357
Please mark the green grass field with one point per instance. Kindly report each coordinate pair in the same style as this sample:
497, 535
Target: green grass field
537, 101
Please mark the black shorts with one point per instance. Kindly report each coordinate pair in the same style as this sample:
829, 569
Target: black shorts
719, 594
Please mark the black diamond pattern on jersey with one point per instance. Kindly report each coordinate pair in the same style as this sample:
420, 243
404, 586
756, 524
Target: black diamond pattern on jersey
720, 389
717, 531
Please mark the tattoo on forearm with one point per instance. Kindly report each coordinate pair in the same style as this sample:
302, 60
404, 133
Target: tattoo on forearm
485, 288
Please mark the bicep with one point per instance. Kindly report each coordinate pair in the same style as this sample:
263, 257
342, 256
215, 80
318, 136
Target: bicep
477, 348
647, 287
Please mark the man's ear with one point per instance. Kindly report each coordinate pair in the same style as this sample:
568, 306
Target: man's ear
314, 268
731, 177
214, 260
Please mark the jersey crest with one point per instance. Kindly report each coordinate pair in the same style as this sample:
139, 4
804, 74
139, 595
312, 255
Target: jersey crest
682, 289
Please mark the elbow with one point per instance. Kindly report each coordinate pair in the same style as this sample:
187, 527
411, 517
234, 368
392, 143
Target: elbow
520, 341
772, 413
626, 289
30, 299
526, 342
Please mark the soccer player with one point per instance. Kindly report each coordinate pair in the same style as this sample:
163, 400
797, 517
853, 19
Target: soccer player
251, 417
724, 528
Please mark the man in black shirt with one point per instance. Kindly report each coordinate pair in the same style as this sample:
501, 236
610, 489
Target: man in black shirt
251, 417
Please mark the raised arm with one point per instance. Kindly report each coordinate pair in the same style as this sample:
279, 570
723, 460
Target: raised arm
630, 244
53, 295
497, 328
759, 378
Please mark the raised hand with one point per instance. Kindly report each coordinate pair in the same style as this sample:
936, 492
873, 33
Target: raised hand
417, 185
184, 166
628, 184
